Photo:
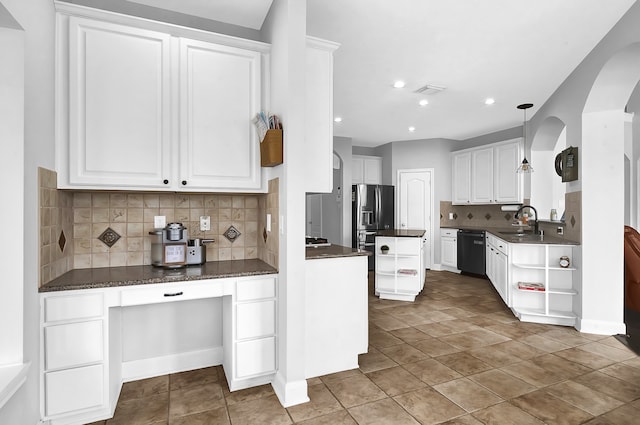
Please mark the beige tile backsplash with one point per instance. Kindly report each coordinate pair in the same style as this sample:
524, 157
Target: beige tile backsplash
84, 215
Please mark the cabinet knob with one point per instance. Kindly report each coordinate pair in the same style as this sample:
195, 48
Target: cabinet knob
165, 181
184, 182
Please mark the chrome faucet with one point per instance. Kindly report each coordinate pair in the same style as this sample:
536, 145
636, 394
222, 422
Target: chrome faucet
535, 222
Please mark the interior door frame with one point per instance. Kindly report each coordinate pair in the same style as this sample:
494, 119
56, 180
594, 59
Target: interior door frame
430, 231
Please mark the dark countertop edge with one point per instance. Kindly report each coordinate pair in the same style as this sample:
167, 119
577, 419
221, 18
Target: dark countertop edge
71, 282
497, 232
401, 233
333, 251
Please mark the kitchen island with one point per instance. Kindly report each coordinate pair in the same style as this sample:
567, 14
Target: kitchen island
400, 271
102, 327
336, 306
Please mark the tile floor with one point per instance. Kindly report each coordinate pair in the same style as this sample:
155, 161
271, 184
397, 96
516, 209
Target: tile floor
455, 356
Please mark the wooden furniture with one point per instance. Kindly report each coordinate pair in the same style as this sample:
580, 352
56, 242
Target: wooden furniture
81, 366
145, 105
486, 175
319, 115
449, 249
366, 169
336, 310
400, 272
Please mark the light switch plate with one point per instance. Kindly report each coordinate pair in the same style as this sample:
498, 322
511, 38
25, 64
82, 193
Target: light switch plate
268, 222
205, 223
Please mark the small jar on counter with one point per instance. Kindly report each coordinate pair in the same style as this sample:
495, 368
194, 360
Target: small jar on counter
554, 215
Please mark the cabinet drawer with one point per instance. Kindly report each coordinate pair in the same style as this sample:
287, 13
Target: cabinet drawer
74, 389
70, 307
449, 232
255, 357
256, 319
73, 344
501, 246
256, 289
169, 293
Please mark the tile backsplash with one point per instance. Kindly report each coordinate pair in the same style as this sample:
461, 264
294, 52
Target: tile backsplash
91, 229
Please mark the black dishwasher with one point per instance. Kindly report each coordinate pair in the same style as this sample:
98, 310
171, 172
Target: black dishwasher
471, 251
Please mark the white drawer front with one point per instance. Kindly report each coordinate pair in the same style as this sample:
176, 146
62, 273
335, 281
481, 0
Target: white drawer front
449, 232
408, 246
256, 319
73, 344
256, 357
169, 293
256, 289
69, 307
74, 389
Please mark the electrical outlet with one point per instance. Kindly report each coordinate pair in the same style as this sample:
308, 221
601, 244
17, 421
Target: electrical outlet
268, 222
205, 223
159, 221
560, 230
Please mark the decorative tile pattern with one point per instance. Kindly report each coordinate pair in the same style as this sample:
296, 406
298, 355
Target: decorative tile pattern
264, 234
62, 241
455, 216
487, 216
573, 221
232, 234
469, 216
109, 237
508, 217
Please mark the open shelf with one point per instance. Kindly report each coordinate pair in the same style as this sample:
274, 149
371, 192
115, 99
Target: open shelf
541, 312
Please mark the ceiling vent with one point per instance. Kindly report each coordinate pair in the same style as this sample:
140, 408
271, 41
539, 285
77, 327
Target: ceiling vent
429, 89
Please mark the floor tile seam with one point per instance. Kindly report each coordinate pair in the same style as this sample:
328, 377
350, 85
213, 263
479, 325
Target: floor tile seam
347, 408
547, 393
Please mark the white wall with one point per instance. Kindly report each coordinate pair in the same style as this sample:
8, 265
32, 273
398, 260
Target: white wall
36, 17
342, 146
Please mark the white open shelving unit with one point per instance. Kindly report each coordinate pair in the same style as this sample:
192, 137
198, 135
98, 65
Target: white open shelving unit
539, 263
400, 271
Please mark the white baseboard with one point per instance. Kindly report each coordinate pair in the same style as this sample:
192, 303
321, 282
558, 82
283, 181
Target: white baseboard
290, 393
174, 363
441, 268
599, 327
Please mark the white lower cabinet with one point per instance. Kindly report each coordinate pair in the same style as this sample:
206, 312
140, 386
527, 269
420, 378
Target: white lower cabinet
400, 272
497, 263
250, 336
81, 353
449, 249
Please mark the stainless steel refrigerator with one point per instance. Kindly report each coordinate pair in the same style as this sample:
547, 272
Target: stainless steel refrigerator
372, 210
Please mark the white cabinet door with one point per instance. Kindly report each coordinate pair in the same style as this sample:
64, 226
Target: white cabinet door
461, 178
255, 357
372, 170
357, 170
482, 176
119, 106
319, 115
507, 183
74, 389
219, 97
500, 272
73, 344
256, 319
449, 251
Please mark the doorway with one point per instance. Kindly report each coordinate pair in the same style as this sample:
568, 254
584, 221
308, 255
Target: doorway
415, 205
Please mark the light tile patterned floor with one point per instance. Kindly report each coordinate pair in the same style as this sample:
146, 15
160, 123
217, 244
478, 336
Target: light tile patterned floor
456, 356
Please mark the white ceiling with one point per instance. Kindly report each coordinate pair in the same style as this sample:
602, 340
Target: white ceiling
515, 51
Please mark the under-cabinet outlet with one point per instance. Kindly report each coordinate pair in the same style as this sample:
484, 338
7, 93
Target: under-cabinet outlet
560, 230
159, 221
205, 223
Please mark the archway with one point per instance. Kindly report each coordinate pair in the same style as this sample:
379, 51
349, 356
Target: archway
547, 189
606, 136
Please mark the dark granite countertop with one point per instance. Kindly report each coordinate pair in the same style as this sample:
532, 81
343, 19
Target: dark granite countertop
509, 234
401, 233
333, 251
107, 277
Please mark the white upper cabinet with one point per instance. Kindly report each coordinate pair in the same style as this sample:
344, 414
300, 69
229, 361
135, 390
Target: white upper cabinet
482, 176
487, 175
319, 115
366, 169
119, 105
219, 96
140, 108
461, 179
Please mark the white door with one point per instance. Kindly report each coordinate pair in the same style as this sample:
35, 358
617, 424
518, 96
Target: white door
314, 215
415, 205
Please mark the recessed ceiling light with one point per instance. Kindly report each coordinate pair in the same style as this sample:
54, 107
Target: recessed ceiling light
489, 101
399, 84
338, 119
423, 102
412, 129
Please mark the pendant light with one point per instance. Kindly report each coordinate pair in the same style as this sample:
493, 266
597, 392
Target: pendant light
525, 167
